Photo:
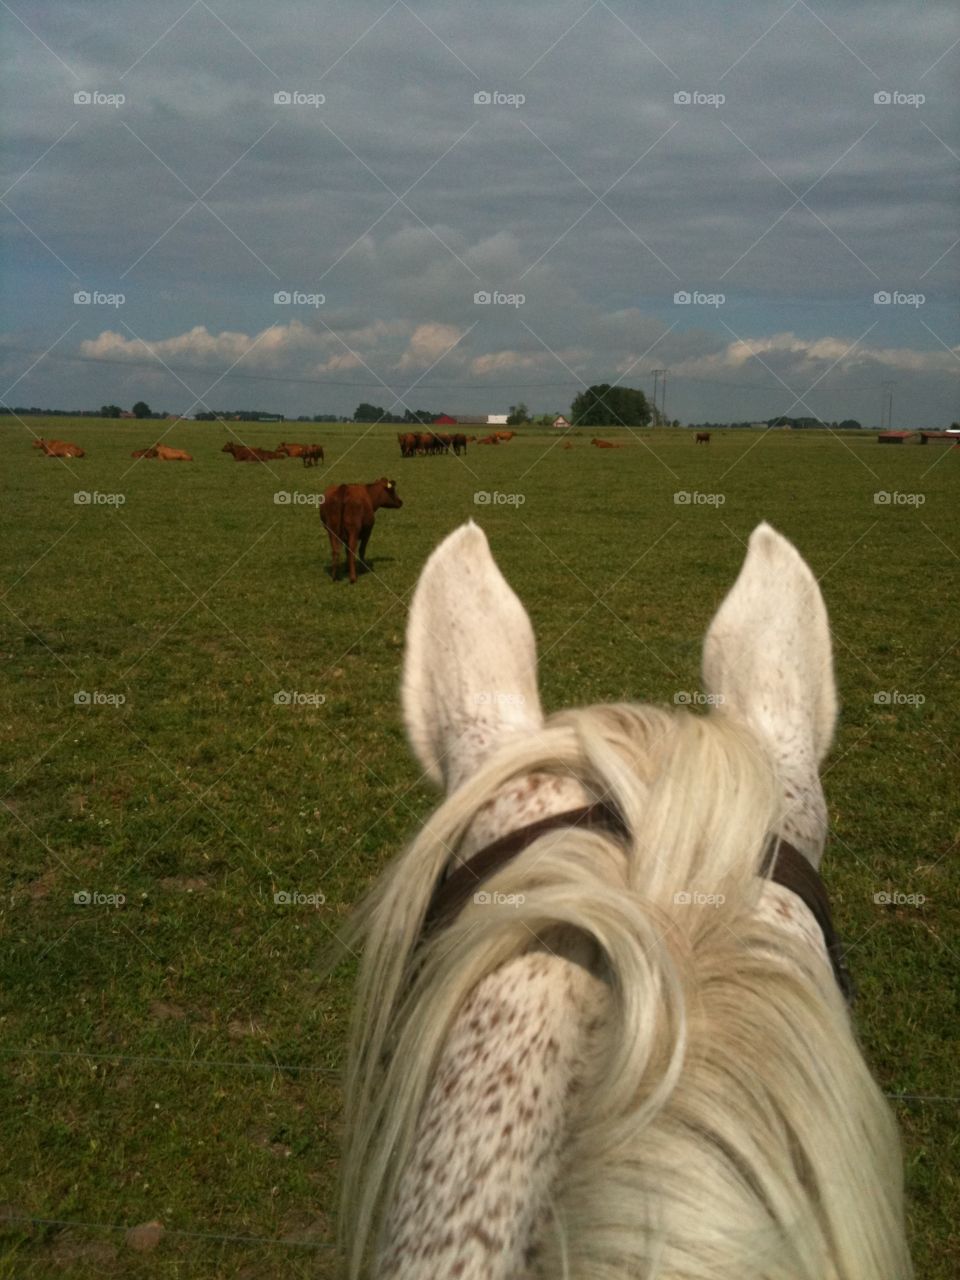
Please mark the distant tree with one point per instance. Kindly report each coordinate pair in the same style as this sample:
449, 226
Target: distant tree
518, 415
141, 409
849, 424
110, 411
955, 426
602, 405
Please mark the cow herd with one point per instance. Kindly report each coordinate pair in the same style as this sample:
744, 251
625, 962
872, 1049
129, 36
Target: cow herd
414, 444
309, 454
347, 510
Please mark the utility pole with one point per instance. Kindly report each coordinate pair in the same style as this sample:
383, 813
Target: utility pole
660, 402
886, 405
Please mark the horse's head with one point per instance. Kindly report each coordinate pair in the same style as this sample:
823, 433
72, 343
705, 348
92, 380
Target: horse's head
616, 1033
470, 676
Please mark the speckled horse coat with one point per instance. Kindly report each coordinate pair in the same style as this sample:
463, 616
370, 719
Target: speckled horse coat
626, 1056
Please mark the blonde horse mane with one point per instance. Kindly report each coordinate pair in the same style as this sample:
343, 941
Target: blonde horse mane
724, 1123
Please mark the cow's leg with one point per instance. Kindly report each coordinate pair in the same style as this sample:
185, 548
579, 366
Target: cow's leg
334, 555
352, 554
365, 533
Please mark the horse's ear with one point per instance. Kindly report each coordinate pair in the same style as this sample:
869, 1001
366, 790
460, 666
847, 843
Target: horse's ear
767, 653
470, 670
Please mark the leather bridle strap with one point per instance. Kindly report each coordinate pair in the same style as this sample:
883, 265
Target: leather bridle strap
784, 863
454, 892
787, 866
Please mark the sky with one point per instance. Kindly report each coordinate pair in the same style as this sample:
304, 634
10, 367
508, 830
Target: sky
297, 207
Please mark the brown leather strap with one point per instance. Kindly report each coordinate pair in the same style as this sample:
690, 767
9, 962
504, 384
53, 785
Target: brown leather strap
788, 866
784, 863
452, 893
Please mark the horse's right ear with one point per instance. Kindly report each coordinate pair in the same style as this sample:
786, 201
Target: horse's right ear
470, 668
767, 653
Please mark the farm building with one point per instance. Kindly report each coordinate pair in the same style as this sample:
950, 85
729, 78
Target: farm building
471, 420
560, 422
894, 437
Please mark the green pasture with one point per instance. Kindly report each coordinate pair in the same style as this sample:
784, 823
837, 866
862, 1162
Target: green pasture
175, 1057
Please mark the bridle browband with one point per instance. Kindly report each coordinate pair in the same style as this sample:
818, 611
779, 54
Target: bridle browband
782, 861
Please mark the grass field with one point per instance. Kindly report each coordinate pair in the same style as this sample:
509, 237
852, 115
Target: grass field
175, 1057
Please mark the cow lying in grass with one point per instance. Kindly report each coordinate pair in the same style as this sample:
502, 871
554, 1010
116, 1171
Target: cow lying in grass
163, 453
59, 449
246, 453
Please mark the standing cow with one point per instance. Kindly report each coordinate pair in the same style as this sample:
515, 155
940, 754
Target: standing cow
348, 512
459, 445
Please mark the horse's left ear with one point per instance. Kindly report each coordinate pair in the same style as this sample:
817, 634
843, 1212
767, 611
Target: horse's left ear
470, 670
767, 653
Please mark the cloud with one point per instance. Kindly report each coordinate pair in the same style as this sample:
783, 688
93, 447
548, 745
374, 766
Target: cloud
401, 197
428, 344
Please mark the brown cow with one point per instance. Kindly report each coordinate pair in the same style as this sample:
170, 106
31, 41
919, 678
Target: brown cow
164, 453
408, 444
459, 445
703, 437
348, 512
566, 445
292, 450
505, 435
246, 453
605, 444
60, 449
488, 440
312, 455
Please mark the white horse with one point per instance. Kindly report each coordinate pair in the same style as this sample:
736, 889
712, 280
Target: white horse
623, 1050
